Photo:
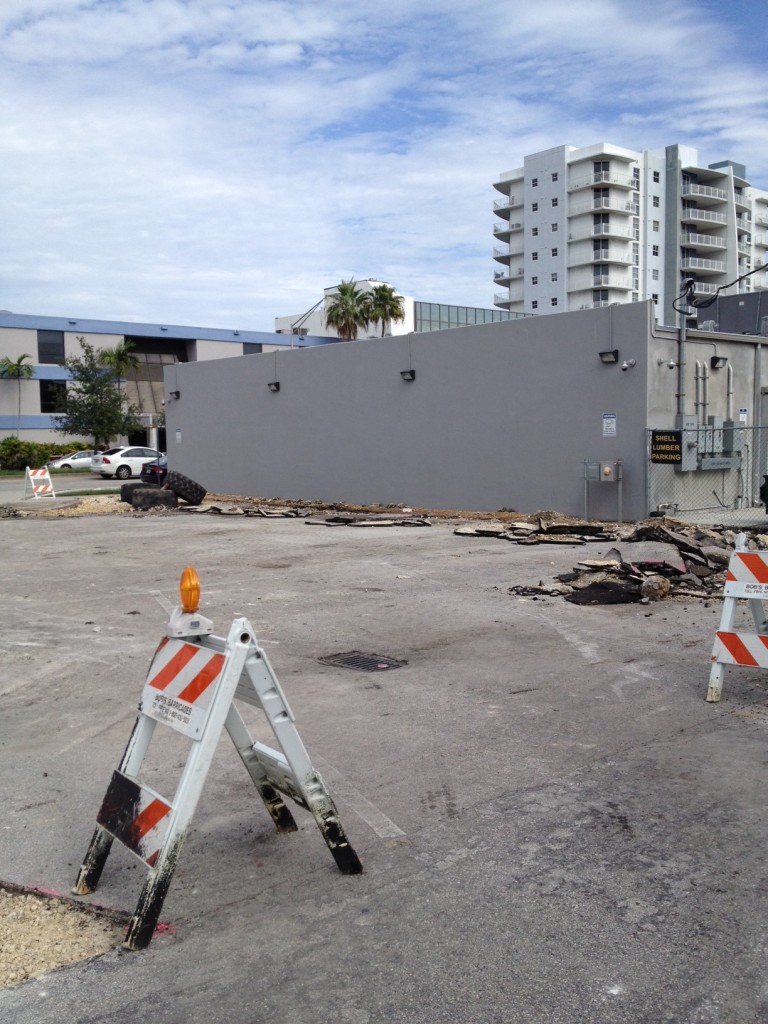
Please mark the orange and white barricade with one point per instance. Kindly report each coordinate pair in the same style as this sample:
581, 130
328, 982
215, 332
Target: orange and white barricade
191, 687
745, 579
39, 482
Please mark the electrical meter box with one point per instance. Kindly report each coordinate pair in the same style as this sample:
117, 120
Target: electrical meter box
610, 472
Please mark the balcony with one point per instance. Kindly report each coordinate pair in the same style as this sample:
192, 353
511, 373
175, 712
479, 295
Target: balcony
614, 205
703, 241
703, 266
761, 219
693, 214
603, 255
743, 223
744, 248
501, 255
604, 178
502, 207
502, 230
604, 232
501, 299
705, 193
702, 288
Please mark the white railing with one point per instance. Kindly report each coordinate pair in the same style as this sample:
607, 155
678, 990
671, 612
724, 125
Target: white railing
500, 252
711, 240
702, 288
692, 213
501, 299
617, 205
506, 204
689, 189
693, 263
743, 224
604, 177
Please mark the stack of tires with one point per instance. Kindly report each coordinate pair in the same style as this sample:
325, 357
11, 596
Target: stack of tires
142, 496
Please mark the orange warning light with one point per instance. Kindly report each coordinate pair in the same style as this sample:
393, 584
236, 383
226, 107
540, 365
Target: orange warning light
189, 590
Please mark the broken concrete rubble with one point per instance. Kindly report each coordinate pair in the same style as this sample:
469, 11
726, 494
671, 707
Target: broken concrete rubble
652, 562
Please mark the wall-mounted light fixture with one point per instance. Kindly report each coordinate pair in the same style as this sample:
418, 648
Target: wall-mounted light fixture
174, 394
274, 385
718, 362
408, 374
611, 355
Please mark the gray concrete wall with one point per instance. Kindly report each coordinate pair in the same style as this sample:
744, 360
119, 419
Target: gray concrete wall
500, 415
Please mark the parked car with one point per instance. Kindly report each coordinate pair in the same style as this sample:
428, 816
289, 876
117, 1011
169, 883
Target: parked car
75, 460
122, 462
155, 472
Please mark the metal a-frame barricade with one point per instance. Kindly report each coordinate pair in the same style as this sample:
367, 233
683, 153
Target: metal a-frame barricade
39, 482
191, 687
746, 578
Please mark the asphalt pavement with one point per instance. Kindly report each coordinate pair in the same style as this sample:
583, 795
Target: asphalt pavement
555, 827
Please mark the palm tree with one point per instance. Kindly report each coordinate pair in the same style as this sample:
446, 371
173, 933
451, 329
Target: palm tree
17, 370
386, 306
121, 360
348, 310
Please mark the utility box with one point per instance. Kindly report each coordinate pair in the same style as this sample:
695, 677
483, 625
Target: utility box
610, 472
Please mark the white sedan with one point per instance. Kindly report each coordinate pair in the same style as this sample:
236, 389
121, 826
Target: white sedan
122, 462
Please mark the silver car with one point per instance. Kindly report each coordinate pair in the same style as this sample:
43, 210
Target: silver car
75, 460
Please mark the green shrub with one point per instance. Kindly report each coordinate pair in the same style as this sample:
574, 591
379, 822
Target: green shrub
18, 454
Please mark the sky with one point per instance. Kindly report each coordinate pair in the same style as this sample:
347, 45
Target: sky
220, 162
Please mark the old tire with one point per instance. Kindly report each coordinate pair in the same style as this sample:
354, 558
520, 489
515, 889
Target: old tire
127, 489
150, 497
186, 489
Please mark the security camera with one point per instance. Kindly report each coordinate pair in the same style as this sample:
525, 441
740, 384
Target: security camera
163, 402
671, 364
628, 364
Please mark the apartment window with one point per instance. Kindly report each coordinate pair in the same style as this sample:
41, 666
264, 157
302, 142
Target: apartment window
52, 395
534, 231
655, 275
534, 280
655, 225
554, 201
600, 223
656, 201
554, 252
654, 250
635, 296
554, 276
600, 297
534, 207
535, 304
553, 302
50, 346
655, 298
534, 255
601, 166
534, 182
656, 177
554, 226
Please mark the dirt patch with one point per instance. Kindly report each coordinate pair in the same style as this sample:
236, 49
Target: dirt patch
40, 933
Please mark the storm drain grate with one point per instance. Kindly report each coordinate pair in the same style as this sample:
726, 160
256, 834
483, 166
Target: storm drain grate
362, 662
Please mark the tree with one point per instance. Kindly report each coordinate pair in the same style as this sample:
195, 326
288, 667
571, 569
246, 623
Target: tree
121, 360
17, 370
348, 310
93, 406
386, 306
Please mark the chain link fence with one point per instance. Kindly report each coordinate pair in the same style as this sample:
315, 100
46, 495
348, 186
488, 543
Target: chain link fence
709, 475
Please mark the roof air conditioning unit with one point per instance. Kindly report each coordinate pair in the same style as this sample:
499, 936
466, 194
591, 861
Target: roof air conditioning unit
709, 325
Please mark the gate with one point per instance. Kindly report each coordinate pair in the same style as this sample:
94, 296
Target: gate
709, 474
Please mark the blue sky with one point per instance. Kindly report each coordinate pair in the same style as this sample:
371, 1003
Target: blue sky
220, 162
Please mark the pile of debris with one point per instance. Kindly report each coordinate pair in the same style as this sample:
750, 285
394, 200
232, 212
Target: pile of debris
539, 531
654, 561
294, 512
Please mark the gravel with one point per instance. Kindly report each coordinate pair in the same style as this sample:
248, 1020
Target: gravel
40, 933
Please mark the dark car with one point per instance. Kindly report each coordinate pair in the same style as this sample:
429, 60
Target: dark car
155, 472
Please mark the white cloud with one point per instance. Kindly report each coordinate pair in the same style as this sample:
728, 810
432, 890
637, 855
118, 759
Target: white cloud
221, 163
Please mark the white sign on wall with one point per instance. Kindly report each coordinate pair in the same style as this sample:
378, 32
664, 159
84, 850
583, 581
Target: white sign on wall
609, 424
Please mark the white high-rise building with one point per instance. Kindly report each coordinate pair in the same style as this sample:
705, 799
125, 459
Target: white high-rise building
579, 228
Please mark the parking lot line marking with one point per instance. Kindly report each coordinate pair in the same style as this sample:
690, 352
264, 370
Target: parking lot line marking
375, 819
